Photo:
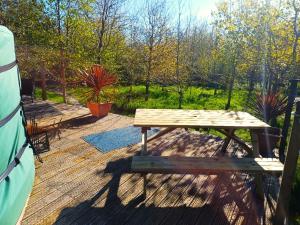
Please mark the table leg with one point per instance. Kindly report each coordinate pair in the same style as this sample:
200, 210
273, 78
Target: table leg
258, 177
144, 152
228, 134
239, 141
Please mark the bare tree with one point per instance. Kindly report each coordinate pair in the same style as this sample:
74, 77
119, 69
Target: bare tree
154, 29
107, 18
233, 50
61, 49
178, 40
183, 52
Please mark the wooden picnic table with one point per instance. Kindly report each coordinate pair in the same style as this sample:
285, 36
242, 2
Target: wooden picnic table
226, 122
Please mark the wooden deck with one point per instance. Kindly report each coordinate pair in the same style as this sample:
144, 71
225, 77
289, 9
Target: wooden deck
78, 184
48, 113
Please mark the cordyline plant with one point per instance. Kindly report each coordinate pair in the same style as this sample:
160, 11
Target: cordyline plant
269, 106
97, 78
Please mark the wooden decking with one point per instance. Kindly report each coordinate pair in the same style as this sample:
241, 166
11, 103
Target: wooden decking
48, 113
78, 184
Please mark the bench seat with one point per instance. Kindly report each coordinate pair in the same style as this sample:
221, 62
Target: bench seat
211, 165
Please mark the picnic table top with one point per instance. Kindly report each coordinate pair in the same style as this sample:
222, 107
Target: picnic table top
196, 118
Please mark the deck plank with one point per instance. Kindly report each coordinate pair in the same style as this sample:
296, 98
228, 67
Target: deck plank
78, 184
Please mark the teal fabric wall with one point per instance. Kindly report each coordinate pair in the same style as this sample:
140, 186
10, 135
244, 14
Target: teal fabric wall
15, 189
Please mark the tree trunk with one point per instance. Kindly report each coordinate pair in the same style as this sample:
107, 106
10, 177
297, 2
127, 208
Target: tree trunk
147, 90
276, 85
147, 85
180, 100
229, 94
230, 89
250, 88
62, 66
100, 45
63, 76
43, 83
215, 89
179, 88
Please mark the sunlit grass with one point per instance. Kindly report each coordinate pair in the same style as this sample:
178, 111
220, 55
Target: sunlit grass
52, 96
126, 101
167, 97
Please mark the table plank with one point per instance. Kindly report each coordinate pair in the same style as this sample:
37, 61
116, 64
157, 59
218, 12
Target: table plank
196, 118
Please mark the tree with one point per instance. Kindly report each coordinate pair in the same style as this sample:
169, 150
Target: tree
178, 51
228, 24
296, 8
107, 19
154, 30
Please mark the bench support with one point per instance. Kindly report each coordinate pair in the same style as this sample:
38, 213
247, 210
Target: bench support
144, 152
229, 134
238, 140
258, 177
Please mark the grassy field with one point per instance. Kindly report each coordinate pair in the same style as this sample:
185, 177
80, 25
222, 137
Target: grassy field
194, 98
126, 102
52, 96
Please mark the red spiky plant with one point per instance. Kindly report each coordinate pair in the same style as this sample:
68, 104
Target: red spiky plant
97, 79
269, 106
98, 101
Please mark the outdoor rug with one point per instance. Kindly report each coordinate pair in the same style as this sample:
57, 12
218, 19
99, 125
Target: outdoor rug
117, 138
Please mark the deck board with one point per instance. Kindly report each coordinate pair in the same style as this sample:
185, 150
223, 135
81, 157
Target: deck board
77, 184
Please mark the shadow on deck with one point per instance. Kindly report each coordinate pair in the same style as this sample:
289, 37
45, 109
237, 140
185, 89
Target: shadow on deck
78, 184
171, 199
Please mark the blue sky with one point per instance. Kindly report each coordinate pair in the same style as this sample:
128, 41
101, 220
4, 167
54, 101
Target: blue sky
202, 8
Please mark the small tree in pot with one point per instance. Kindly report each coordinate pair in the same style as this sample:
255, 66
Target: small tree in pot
268, 107
98, 100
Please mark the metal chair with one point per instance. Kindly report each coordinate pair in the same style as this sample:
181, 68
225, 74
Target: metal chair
38, 136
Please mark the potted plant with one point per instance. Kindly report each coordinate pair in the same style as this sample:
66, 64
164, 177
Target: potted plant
268, 107
98, 99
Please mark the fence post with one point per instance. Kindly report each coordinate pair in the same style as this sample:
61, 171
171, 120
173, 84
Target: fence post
290, 165
287, 119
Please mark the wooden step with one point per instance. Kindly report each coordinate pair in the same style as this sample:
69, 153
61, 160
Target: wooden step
196, 165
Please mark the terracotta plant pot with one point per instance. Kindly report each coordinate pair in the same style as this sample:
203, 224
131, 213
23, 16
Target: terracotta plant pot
268, 140
99, 110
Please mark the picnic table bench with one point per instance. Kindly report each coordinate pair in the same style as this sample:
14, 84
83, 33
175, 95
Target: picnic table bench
227, 122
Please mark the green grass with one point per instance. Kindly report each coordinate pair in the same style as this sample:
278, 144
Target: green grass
126, 101
194, 98
52, 96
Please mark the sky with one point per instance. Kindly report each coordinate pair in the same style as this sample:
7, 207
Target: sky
202, 9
